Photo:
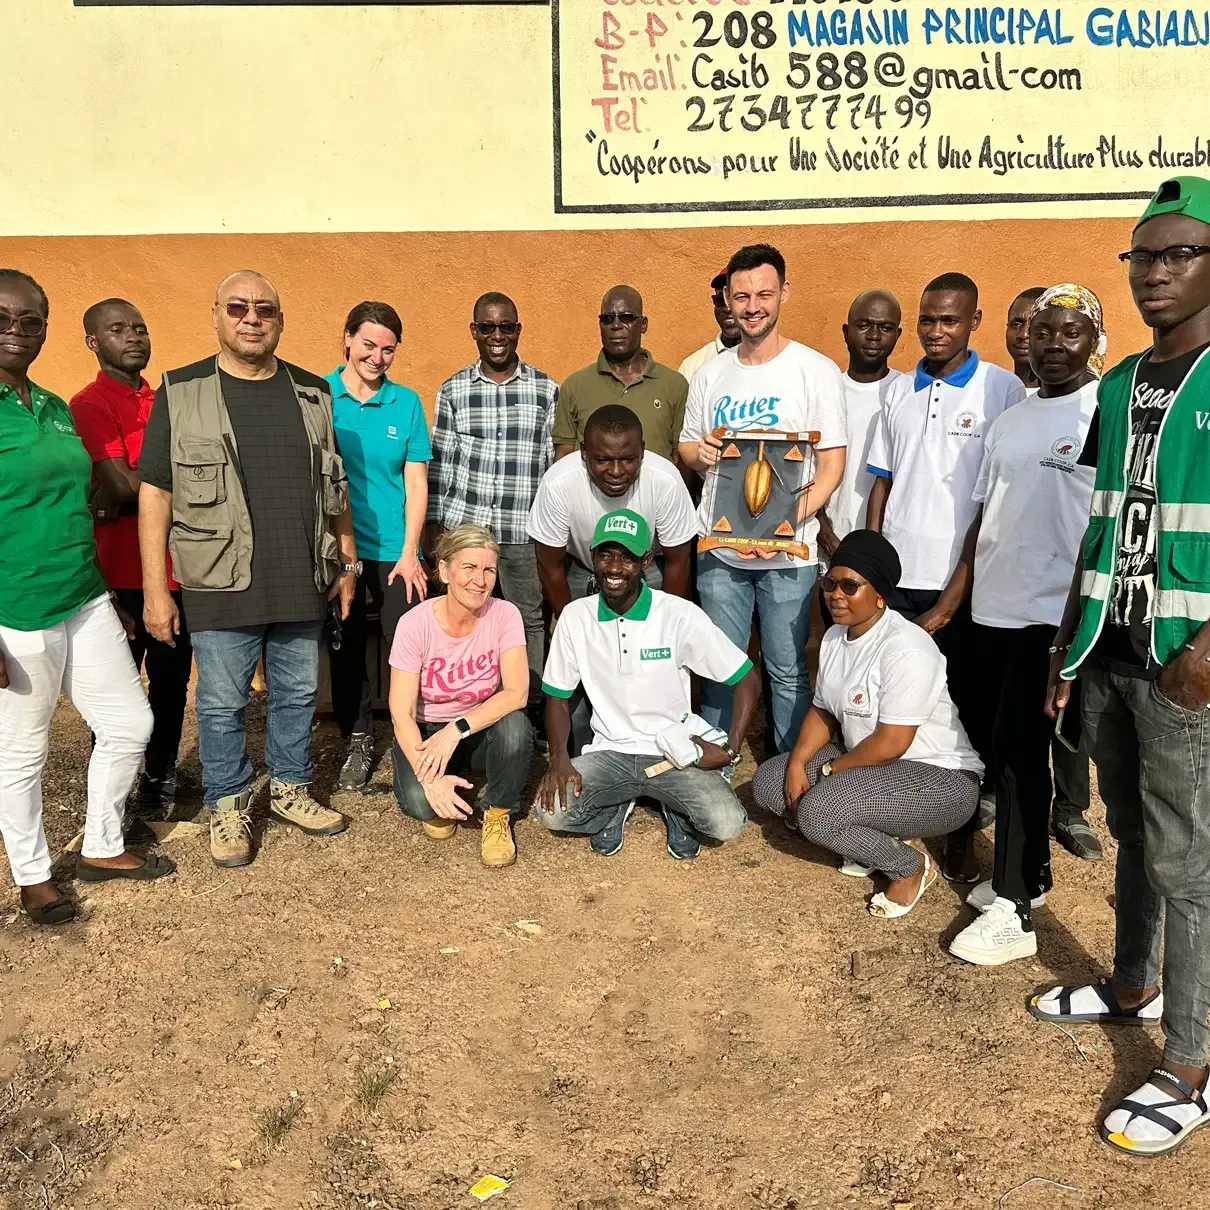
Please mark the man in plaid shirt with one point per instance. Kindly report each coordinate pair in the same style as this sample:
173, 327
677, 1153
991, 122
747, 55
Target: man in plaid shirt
491, 446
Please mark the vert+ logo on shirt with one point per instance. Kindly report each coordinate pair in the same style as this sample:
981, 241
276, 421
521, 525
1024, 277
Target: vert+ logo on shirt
1203, 420
655, 653
739, 414
63, 428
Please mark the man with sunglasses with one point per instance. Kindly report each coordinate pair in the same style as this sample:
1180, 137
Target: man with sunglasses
1135, 633
239, 465
491, 447
728, 330
624, 373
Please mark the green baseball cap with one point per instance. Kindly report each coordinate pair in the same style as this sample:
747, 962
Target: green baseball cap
626, 528
1181, 195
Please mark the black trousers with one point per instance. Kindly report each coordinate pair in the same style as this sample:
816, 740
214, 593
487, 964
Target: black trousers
168, 671
1014, 666
352, 696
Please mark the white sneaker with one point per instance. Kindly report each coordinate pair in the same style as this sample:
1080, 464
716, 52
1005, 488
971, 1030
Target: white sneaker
854, 869
997, 937
983, 896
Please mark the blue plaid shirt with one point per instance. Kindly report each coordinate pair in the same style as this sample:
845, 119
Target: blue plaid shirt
491, 447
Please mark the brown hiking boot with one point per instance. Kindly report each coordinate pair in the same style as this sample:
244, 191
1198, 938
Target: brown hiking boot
439, 829
497, 847
231, 830
294, 805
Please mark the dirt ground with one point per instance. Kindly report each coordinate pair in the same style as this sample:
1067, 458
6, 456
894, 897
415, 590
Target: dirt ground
361, 1022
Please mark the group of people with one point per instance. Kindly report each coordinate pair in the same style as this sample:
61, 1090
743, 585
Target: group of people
986, 544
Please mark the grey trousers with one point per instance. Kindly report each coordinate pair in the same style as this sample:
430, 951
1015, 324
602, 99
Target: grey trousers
518, 570
1151, 759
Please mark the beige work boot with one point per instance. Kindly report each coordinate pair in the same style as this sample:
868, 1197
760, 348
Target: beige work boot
231, 830
497, 847
294, 805
439, 829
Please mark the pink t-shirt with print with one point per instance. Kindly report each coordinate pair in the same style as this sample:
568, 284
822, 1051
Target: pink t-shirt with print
455, 674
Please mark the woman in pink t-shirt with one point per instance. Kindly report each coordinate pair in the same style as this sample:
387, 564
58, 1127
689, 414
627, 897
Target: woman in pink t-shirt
459, 686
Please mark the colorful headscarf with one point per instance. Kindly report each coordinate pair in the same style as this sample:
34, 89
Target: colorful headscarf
1078, 298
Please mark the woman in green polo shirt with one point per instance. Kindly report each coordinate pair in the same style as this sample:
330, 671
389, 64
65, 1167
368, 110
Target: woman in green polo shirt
383, 437
58, 630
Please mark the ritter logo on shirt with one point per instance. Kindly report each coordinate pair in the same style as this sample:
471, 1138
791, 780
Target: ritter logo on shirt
739, 414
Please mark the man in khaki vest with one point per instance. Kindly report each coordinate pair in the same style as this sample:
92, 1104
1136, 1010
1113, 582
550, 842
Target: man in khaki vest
241, 481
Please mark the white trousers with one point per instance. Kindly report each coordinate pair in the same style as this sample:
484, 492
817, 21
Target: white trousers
87, 658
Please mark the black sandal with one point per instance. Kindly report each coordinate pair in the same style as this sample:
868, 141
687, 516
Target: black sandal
154, 866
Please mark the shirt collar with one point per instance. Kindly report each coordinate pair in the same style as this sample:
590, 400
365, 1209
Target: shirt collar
650, 370
636, 613
37, 396
957, 378
384, 394
522, 371
114, 387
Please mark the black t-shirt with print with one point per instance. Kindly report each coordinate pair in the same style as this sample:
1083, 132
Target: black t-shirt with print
1125, 642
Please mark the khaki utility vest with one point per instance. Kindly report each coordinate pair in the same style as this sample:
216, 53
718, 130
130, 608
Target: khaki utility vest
211, 534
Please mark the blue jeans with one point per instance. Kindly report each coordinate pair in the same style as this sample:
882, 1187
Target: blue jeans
226, 662
699, 796
782, 598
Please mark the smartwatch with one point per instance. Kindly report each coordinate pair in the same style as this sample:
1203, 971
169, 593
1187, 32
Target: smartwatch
464, 728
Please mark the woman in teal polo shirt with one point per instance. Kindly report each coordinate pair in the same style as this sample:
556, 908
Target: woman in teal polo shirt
383, 437
58, 630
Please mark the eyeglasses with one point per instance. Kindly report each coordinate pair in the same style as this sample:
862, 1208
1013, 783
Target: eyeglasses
505, 329
619, 317
238, 309
849, 587
27, 325
1177, 258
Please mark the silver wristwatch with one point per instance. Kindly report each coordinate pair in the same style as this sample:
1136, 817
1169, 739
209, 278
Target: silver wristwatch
356, 568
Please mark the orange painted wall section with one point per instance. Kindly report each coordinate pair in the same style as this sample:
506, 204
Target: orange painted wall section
557, 279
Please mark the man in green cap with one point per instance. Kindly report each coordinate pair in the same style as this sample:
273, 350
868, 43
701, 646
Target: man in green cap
1137, 635
632, 649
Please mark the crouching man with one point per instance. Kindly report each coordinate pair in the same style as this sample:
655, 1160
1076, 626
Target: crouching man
633, 648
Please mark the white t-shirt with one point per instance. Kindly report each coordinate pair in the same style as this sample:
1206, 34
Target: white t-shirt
697, 359
1035, 509
863, 402
635, 666
799, 390
893, 674
568, 505
930, 442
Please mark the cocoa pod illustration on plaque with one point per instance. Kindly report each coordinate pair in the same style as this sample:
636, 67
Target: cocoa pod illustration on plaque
758, 482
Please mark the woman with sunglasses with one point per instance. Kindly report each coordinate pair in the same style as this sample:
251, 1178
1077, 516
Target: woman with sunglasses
1015, 567
383, 437
881, 753
59, 631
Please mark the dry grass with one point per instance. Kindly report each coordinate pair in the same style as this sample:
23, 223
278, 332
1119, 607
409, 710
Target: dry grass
274, 1124
373, 1087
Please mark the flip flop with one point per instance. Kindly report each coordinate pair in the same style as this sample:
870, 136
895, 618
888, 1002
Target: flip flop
1147, 1013
883, 908
154, 866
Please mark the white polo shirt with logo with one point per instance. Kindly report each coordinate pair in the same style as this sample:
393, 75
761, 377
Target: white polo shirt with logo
799, 390
894, 673
635, 666
1035, 509
930, 443
568, 505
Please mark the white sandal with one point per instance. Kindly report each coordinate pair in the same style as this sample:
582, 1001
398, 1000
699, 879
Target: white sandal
887, 909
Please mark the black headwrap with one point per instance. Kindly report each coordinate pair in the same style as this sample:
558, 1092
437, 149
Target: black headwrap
869, 554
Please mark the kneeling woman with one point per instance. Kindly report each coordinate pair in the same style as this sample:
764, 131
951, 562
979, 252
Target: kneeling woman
459, 684
881, 753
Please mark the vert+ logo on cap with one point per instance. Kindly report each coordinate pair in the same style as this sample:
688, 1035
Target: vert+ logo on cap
624, 527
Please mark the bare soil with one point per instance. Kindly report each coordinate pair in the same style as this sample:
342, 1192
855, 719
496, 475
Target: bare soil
359, 1023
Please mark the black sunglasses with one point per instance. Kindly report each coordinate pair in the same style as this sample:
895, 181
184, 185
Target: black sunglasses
237, 309
505, 329
848, 586
27, 325
619, 317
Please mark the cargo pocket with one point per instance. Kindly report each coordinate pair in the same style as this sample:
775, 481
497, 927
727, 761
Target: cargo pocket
1189, 558
327, 566
201, 473
202, 558
335, 486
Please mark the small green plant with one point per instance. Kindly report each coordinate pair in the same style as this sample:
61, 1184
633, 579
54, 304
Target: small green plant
374, 1086
274, 1124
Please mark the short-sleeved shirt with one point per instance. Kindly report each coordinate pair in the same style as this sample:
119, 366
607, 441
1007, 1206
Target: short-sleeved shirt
455, 674
895, 674
635, 666
800, 390
275, 470
930, 443
1035, 498
110, 419
568, 505
46, 547
698, 358
376, 439
657, 399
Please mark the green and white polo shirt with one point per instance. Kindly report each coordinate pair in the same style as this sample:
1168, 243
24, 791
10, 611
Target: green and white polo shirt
635, 666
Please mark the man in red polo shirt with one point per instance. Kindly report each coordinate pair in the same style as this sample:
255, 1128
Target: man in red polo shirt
111, 414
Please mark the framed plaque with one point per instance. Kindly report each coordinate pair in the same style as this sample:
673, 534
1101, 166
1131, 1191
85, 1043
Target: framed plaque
762, 477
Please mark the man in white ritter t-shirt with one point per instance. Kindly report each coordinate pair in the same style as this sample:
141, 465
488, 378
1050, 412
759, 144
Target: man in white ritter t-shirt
766, 382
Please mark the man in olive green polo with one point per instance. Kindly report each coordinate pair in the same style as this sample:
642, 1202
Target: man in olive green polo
624, 373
